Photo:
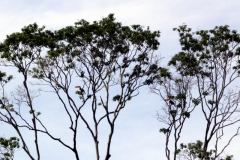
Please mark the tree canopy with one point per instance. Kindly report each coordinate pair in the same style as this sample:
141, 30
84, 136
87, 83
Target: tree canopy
204, 74
93, 70
104, 61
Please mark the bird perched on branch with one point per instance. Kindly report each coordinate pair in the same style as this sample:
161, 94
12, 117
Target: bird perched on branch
78, 87
167, 99
81, 89
170, 101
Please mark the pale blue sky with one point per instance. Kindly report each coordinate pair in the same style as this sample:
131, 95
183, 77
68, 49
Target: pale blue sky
137, 134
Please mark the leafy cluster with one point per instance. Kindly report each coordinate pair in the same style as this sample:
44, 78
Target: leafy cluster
209, 62
8, 147
96, 56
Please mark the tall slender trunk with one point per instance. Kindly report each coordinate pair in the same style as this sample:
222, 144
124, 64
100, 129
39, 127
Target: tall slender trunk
33, 117
108, 155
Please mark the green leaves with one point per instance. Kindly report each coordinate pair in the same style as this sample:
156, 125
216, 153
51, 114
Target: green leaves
163, 72
4, 78
31, 111
210, 58
186, 114
164, 130
203, 47
181, 96
30, 36
196, 101
99, 56
36, 73
185, 63
116, 98
7, 147
194, 150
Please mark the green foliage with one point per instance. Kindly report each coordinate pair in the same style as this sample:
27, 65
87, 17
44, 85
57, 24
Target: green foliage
181, 96
186, 114
4, 102
205, 93
38, 113
116, 98
196, 101
163, 72
30, 36
173, 112
98, 55
211, 102
4, 78
31, 111
185, 63
208, 62
164, 130
194, 150
228, 158
108, 41
199, 49
8, 147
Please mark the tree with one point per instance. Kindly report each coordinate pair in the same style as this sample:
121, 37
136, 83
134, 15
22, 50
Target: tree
8, 147
212, 59
193, 151
176, 92
100, 58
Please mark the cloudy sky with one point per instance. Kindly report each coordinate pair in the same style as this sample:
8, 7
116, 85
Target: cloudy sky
137, 131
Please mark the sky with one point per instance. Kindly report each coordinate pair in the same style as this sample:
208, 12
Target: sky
137, 130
